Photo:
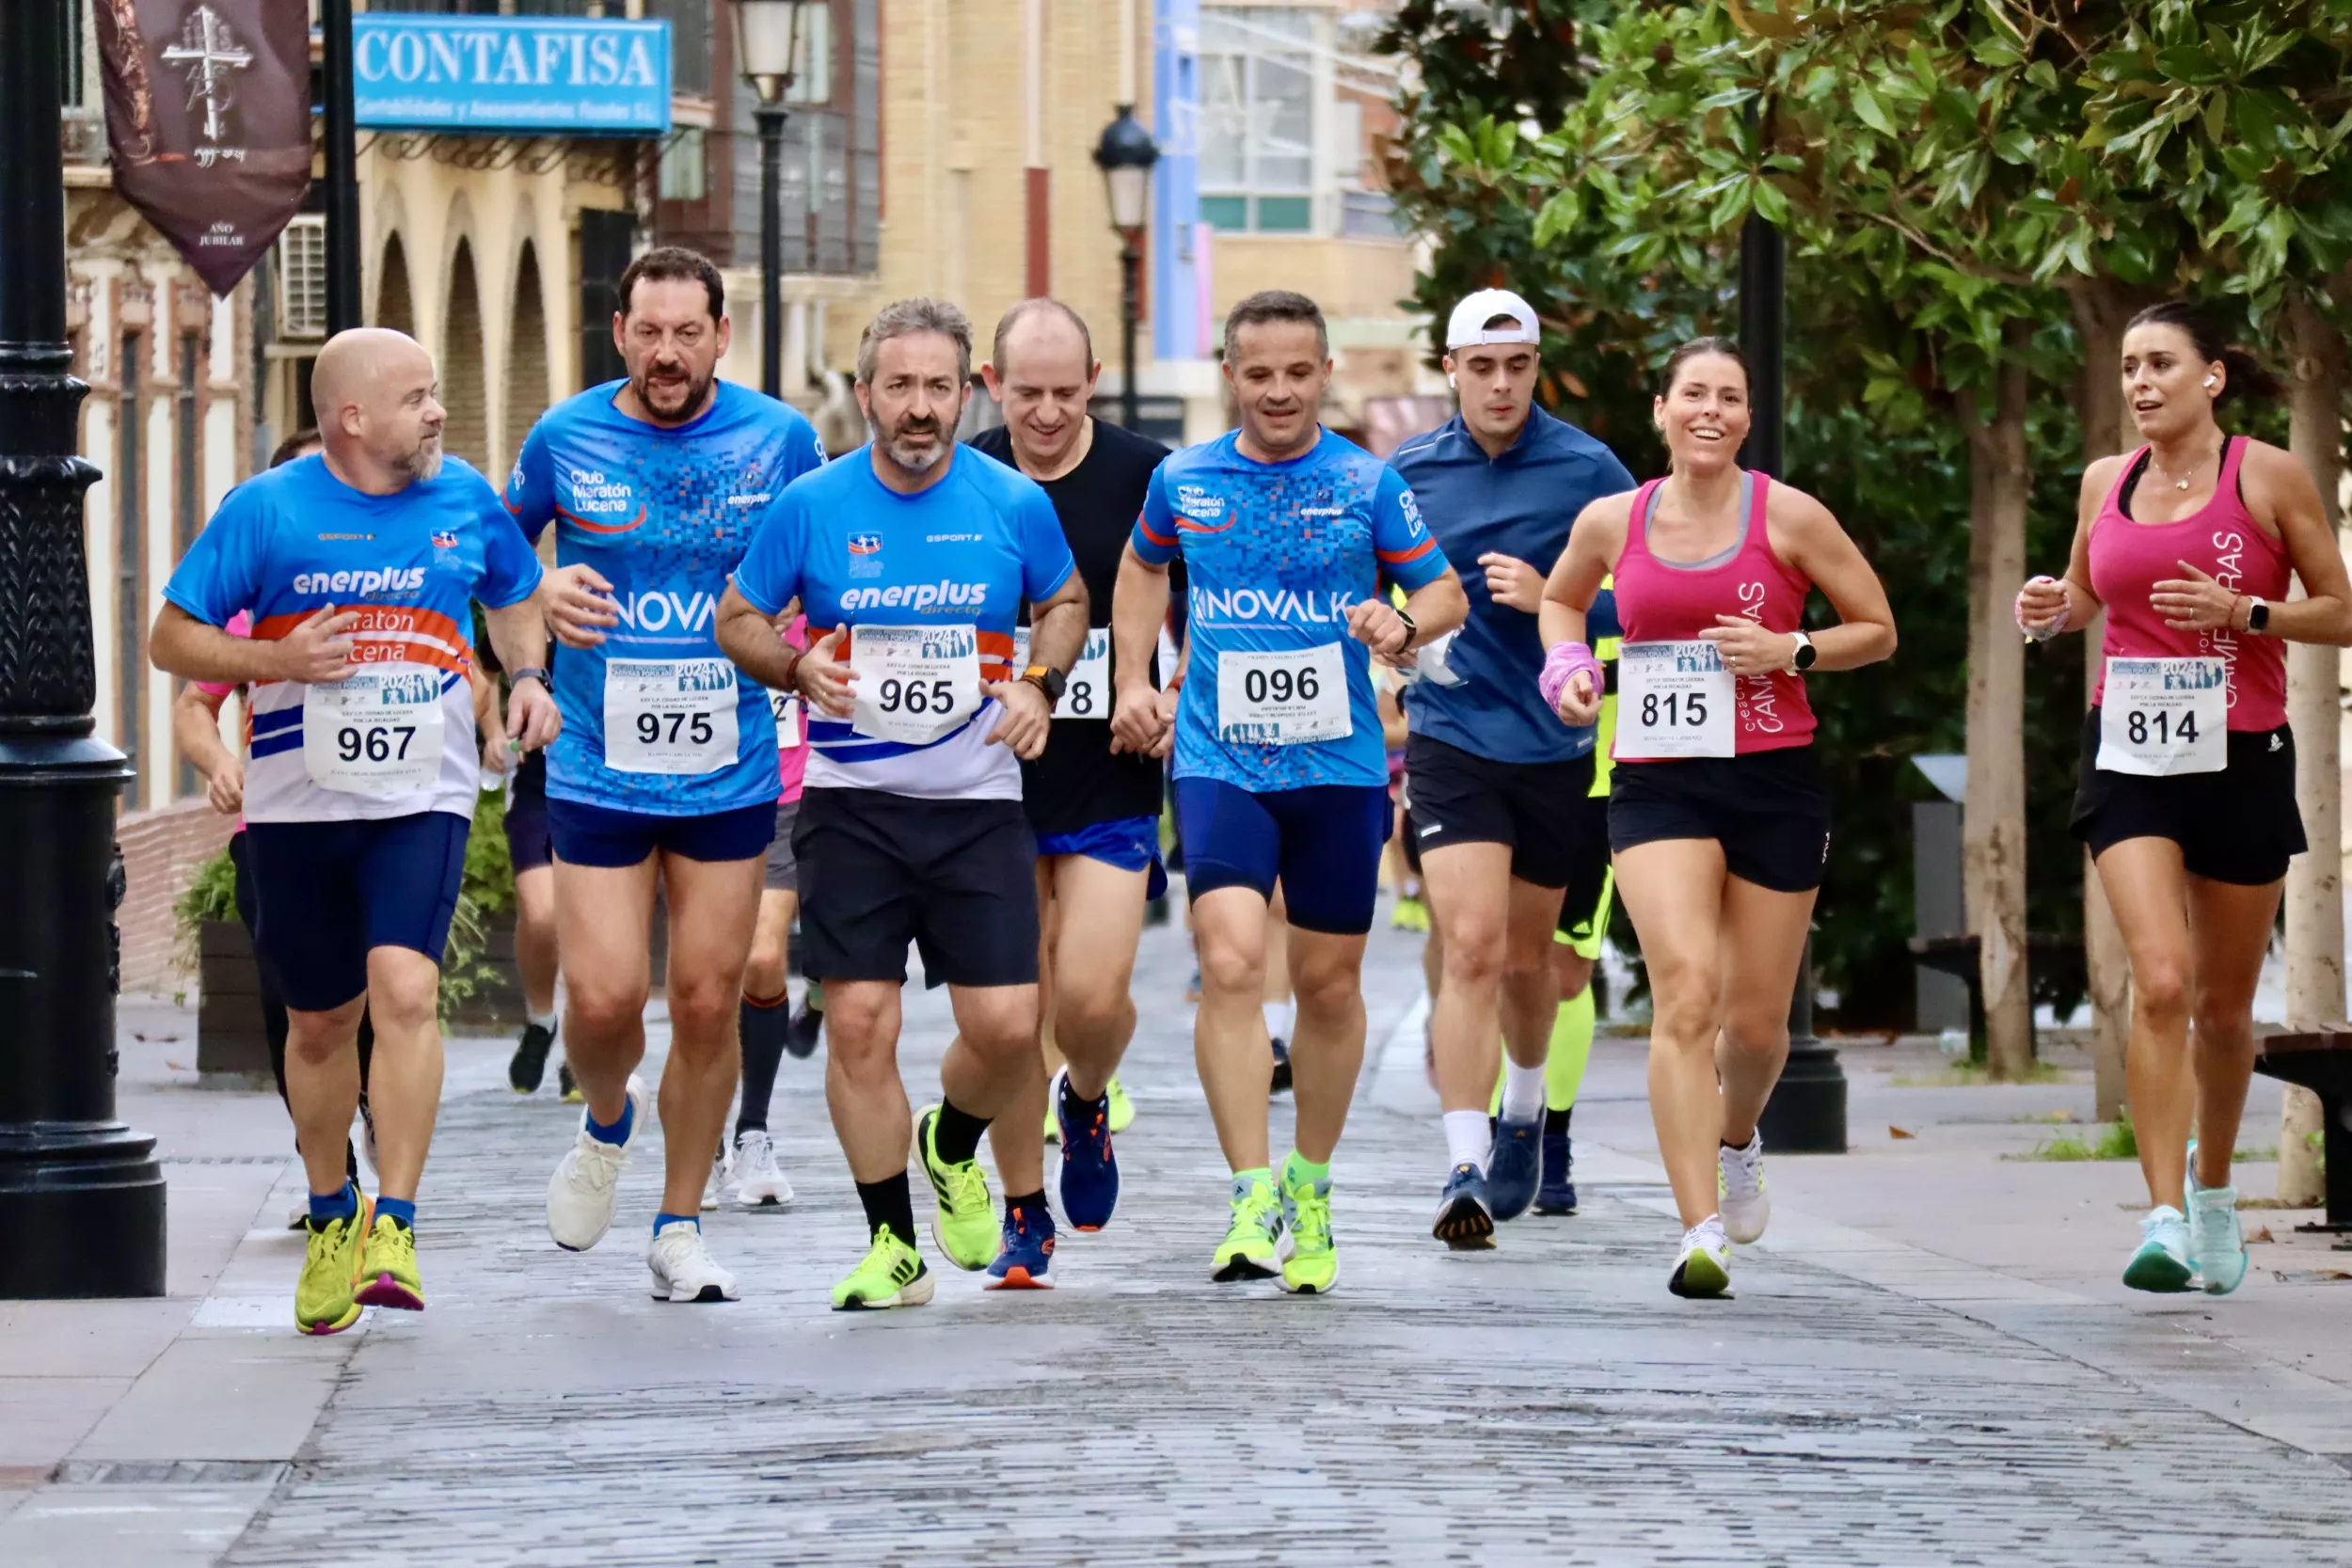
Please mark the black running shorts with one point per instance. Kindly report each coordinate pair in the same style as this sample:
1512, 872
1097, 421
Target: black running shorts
956, 877
1768, 810
2240, 826
1457, 797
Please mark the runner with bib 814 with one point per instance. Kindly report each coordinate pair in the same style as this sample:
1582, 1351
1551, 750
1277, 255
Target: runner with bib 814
2186, 797
1718, 818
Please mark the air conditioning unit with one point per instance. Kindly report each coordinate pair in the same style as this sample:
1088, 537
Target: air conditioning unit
302, 278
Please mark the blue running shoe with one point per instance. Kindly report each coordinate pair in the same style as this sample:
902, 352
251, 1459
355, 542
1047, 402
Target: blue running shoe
1513, 1167
1089, 1171
1465, 1223
1557, 1193
1027, 1251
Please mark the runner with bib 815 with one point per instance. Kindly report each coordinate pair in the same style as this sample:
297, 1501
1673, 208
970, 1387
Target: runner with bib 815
2186, 797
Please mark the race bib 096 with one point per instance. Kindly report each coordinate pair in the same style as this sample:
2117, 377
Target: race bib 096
1288, 697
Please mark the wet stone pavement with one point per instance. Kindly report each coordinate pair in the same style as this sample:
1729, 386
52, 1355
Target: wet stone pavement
1548, 1401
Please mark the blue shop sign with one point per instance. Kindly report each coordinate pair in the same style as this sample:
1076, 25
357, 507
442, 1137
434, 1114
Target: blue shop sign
536, 75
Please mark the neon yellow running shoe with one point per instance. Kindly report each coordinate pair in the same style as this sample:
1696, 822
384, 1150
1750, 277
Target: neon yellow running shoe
1311, 1264
892, 1274
1123, 1108
325, 1299
1248, 1250
1411, 914
1052, 1127
387, 1266
964, 1224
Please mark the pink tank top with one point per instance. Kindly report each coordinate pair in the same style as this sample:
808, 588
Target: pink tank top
2220, 539
1667, 601
792, 761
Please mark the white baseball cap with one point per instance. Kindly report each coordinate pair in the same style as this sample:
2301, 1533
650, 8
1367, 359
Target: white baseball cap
1468, 324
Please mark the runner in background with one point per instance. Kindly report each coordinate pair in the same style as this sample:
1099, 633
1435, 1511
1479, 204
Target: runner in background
766, 1028
196, 729
1718, 817
1094, 809
2187, 798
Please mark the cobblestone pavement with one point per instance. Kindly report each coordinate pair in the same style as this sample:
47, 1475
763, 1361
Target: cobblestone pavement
1545, 1403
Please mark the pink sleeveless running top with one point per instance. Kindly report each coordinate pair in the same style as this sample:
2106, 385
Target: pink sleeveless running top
1667, 601
2221, 539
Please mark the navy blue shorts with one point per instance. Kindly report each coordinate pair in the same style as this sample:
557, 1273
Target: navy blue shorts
1131, 844
331, 892
1322, 843
528, 844
597, 836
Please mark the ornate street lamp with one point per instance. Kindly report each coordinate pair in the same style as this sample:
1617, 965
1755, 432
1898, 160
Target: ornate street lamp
1125, 155
769, 43
81, 1196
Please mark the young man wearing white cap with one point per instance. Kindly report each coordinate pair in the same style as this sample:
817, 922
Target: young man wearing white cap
1492, 777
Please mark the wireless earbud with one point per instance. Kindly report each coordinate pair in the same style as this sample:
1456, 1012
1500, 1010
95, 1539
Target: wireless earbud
1451, 382
2209, 381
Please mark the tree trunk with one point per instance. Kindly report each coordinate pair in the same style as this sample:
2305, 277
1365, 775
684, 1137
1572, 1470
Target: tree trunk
2100, 309
1992, 832
2314, 896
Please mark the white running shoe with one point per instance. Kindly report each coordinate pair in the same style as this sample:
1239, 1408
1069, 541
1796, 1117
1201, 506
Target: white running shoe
715, 1187
759, 1182
1703, 1268
2216, 1238
1747, 1208
682, 1269
300, 1218
586, 1183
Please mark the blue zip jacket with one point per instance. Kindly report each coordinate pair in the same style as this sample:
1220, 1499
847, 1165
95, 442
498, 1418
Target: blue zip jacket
1519, 504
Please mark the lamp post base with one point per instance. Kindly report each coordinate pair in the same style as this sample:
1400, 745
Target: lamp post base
1806, 1113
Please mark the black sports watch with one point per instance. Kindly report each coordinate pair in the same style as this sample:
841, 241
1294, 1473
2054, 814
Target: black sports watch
1412, 627
1048, 680
533, 673
1806, 653
2258, 618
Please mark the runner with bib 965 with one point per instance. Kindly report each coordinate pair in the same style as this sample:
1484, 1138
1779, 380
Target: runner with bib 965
1718, 817
2187, 798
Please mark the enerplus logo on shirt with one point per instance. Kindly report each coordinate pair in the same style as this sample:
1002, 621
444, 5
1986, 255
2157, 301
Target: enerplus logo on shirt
389, 579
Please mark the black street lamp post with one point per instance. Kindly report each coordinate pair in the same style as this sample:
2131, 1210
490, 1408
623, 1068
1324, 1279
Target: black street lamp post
768, 46
1806, 1113
343, 166
81, 1196
1125, 155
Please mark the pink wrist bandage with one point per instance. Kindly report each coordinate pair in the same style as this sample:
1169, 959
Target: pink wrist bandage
1561, 665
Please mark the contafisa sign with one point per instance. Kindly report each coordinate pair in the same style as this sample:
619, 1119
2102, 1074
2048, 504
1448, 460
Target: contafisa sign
536, 75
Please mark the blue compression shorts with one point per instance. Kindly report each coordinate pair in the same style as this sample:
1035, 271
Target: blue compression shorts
1322, 843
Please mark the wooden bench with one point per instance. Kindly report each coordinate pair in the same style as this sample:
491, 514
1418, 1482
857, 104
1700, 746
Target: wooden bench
2051, 957
2320, 1060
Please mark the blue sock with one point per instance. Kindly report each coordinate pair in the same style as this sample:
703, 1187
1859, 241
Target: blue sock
401, 1208
660, 1220
342, 1205
618, 1132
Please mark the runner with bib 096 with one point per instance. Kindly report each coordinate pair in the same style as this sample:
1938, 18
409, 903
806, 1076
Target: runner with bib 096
2186, 797
1718, 818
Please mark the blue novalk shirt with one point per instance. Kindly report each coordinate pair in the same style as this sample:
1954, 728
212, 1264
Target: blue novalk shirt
665, 513
1521, 504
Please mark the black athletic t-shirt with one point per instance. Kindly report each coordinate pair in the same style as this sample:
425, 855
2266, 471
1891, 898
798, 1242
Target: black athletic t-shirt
1078, 781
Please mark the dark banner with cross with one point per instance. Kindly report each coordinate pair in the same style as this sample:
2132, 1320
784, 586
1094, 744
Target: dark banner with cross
208, 117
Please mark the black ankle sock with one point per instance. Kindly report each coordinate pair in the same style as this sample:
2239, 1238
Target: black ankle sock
1556, 1122
888, 1203
957, 1133
1034, 1202
763, 1025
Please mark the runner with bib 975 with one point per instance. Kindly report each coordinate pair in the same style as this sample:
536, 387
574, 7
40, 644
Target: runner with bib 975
357, 565
666, 777
1718, 818
2186, 797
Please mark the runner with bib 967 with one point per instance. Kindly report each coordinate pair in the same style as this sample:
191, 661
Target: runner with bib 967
1718, 817
2187, 798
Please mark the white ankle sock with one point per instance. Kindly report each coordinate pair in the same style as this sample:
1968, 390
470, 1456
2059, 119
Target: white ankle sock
1468, 1138
1278, 1018
1522, 1091
545, 1021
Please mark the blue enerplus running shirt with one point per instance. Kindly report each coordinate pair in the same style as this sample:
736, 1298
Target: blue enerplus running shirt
665, 513
1519, 504
961, 553
1275, 553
